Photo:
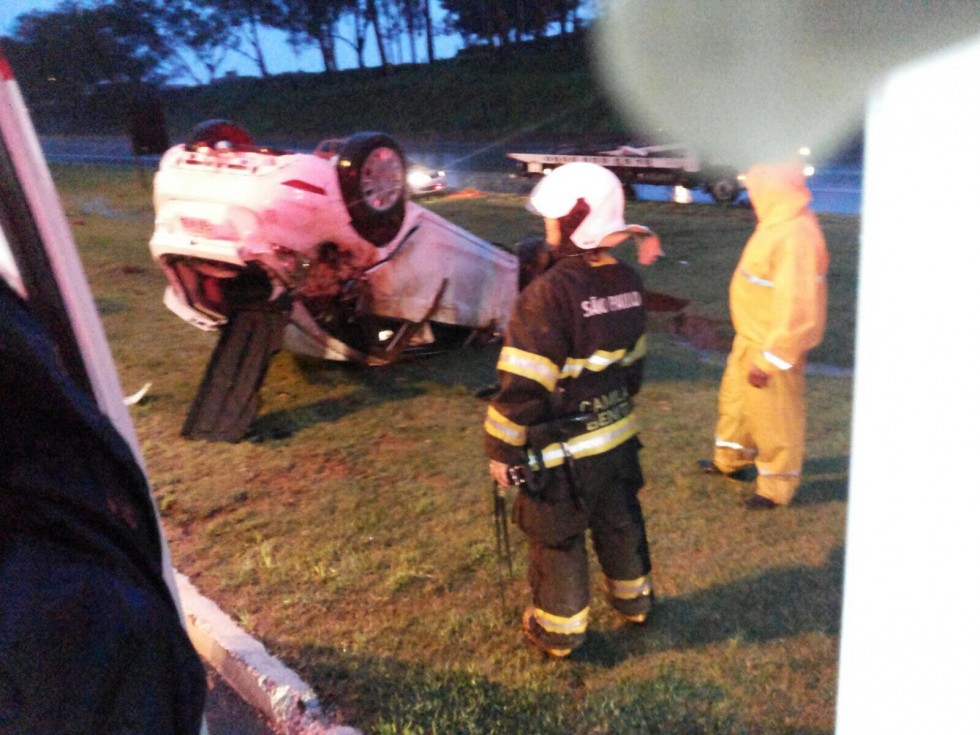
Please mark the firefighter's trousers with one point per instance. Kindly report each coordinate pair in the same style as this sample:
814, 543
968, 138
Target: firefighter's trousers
766, 425
604, 502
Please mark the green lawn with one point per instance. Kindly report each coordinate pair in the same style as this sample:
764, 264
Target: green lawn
352, 533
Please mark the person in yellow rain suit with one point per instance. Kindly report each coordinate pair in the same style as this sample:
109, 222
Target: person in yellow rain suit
778, 302
562, 427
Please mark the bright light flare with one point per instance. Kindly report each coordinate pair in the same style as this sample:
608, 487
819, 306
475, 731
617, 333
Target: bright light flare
418, 178
682, 195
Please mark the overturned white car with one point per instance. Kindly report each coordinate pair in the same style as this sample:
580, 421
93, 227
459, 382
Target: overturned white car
319, 253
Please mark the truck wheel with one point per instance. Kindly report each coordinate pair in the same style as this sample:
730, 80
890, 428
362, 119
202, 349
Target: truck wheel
214, 133
371, 173
723, 191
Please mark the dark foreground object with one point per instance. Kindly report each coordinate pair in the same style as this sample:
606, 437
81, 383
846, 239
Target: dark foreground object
91, 640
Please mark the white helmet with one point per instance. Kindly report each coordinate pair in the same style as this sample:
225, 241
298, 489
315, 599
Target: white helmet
558, 192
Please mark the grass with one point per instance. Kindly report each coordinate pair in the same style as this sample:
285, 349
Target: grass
531, 91
352, 532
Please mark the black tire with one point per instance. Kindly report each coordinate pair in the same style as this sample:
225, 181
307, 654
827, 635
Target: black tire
227, 400
215, 133
371, 172
724, 191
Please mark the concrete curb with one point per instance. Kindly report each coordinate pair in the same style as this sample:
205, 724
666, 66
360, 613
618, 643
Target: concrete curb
263, 681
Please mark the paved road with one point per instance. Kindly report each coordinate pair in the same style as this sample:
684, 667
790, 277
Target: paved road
228, 714
836, 189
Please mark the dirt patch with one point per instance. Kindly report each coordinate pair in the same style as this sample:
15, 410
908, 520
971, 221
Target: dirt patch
705, 334
698, 331
466, 194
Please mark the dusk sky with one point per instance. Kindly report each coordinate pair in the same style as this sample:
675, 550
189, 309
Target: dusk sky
280, 56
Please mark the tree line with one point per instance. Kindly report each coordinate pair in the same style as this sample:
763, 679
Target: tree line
87, 43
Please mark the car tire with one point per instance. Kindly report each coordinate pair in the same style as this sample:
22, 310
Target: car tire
214, 133
371, 173
227, 399
723, 191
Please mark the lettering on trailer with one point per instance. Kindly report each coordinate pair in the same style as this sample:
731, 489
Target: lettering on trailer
607, 161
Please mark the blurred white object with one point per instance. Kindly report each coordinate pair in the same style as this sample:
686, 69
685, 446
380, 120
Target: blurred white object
138, 396
909, 641
748, 82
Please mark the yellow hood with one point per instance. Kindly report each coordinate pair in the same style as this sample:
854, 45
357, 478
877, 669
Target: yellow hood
778, 294
778, 191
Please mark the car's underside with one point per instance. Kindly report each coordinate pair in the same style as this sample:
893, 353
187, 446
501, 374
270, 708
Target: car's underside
317, 253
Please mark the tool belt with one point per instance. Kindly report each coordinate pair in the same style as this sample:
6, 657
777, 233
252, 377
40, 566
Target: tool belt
562, 441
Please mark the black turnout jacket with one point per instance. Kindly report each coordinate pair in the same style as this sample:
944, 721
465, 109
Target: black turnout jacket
573, 347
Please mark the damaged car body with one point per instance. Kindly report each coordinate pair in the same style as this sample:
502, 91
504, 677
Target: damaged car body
322, 254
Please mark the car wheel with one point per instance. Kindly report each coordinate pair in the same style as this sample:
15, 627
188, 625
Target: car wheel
371, 173
217, 134
227, 399
723, 190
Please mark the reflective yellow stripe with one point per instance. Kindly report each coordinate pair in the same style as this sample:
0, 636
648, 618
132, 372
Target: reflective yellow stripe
601, 359
500, 427
629, 589
638, 351
528, 365
778, 362
730, 445
590, 443
562, 626
765, 282
755, 279
766, 473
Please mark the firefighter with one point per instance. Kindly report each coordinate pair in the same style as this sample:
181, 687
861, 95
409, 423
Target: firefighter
562, 427
778, 303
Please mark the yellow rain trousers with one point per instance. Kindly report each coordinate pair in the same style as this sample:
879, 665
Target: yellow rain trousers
778, 302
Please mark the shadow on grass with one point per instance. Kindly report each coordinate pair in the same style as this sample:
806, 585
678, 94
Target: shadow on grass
778, 603
388, 696
470, 366
825, 479
471, 369
384, 695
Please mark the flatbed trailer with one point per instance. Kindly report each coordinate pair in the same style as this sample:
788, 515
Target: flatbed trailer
662, 165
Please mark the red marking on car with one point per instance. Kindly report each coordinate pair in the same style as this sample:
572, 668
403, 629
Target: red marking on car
305, 186
198, 227
6, 73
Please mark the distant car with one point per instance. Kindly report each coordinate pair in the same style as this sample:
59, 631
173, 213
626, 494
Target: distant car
319, 253
423, 180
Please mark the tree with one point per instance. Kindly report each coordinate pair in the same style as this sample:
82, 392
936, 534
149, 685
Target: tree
118, 41
413, 20
427, 15
477, 20
315, 21
501, 22
359, 17
371, 12
199, 29
247, 17
89, 63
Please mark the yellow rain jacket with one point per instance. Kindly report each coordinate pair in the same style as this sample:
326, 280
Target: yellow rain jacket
778, 302
778, 294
